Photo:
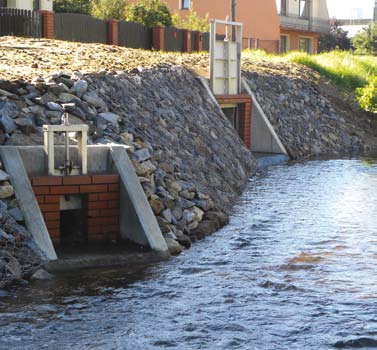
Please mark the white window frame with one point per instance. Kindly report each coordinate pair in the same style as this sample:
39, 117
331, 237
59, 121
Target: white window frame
181, 5
311, 40
287, 42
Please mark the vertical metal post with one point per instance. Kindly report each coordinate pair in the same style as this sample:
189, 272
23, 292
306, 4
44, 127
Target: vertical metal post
212, 52
239, 50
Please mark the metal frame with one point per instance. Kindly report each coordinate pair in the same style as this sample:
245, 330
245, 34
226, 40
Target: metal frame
82, 132
232, 35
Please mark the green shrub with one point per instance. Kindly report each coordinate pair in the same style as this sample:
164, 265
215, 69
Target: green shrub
72, 6
150, 13
367, 96
193, 21
105, 9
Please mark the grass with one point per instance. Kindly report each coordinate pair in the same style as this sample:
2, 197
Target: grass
349, 71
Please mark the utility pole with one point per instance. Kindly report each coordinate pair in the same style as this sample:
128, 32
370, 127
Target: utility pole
233, 16
233, 10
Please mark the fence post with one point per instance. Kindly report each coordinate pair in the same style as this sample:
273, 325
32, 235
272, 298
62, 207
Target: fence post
187, 40
47, 24
198, 42
112, 30
158, 38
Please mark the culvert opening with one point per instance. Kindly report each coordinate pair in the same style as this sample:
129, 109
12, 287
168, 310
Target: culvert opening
73, 221
232, 113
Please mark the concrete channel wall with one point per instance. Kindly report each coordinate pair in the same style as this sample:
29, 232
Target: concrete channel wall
137, 222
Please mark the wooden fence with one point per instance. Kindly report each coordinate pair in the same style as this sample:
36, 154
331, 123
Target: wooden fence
86, 29
80, 28
20, 22
134, 35
174, 39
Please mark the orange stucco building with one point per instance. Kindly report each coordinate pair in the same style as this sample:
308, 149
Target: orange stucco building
270, 25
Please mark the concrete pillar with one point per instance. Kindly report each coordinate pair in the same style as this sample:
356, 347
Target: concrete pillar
137, 221
26, 199
48, 24
158, 38
187, 41
112, 25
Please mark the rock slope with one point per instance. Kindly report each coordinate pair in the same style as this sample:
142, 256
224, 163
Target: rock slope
306, 117
19, 255
191, 163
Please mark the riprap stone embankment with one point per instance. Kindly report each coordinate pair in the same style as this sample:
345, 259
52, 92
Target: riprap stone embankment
190, 161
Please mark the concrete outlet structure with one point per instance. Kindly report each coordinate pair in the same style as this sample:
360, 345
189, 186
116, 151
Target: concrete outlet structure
107, 204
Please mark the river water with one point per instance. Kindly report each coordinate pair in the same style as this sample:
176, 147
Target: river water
294, 269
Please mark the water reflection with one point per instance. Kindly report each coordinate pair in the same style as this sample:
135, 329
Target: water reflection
295, 269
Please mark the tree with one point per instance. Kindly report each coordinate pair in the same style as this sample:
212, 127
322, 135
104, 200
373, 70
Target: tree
192, 21
337, 39
104, 9
150, 13
366, 41
72, 6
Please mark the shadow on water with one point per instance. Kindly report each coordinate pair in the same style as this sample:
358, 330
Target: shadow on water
294, 269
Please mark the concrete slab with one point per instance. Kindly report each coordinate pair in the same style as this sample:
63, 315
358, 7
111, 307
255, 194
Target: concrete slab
263, 136
265, 160
137, 221
69, 262
26, 199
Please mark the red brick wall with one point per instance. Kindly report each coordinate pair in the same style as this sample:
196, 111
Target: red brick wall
102, 206
112, 31
187, 41
48, 18
244, 104
158, 38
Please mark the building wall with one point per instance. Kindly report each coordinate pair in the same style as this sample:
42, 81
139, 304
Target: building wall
320, 10
28, 4
259, 17
294, 36
316, 8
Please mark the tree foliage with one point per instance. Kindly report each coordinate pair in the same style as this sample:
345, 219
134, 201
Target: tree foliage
337, 39
105, 9
192, 21
366, 41
72, 6
149, 12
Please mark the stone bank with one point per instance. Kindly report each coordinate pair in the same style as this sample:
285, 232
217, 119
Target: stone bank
188, 159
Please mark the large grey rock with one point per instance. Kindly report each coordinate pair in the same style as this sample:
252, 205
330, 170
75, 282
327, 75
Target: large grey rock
3, 176
142, 155
94, 100
65, 97
7, 124
80, 87
109, 117
42, 275
14, 268
145, 169
17, 214
53, 106
6, 191
174, 247
8, 109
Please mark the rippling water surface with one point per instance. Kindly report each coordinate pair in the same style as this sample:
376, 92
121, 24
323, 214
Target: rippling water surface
295, 269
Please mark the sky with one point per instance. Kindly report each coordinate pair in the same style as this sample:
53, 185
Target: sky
351, 9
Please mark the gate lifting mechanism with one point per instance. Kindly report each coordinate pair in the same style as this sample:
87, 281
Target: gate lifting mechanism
67, 167
225, 58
